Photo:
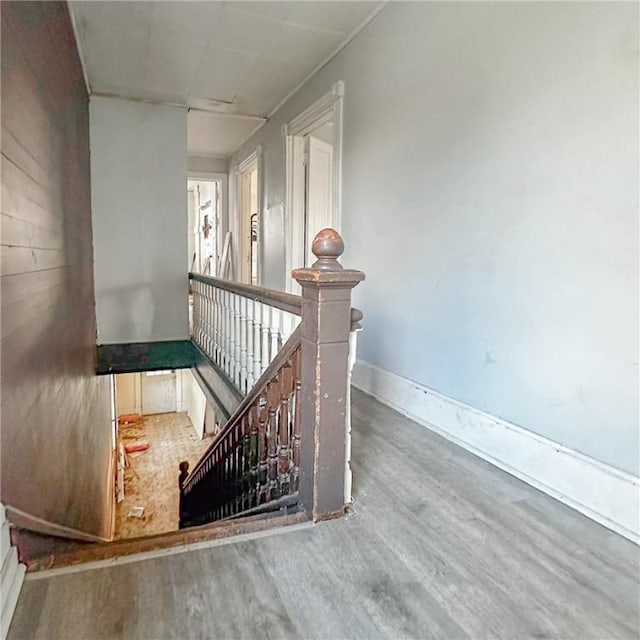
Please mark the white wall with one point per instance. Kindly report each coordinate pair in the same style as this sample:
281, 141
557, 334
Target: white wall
491, 196
204, 164
138, 192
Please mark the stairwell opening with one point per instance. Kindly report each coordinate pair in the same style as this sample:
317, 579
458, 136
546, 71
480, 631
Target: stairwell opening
162, 419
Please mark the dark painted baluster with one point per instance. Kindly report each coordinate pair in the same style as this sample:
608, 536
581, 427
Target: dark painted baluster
263, 415
297, 422
285, 379
182, 476
273, 402
255, 454
245, 460
233, 482
226, 475
237, 470
219, 483
243, 479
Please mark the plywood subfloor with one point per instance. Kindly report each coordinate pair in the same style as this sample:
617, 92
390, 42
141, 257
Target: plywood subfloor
151, 479
440, 545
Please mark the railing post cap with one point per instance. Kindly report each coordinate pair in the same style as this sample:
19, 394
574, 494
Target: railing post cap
327, 247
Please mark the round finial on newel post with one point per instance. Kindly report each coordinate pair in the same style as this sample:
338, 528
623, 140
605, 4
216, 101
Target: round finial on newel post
327, 246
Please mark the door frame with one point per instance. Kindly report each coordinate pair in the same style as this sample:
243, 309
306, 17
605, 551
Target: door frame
223, 179
328, 108
255, 157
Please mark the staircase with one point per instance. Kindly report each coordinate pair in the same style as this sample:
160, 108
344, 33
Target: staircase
279, 366
286, 446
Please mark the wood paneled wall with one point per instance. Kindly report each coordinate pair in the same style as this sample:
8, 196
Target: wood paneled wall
56, 440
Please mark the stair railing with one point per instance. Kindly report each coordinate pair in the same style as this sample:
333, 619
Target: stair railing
288, 442
241, 327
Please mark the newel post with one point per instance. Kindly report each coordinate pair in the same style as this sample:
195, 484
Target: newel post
326, 324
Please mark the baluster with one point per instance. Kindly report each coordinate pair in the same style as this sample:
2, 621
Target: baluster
194, 317
256, 453
297, 422
250, 334
208, 342
273, 402
243, 344
285, 378
226, 474
217, 319
224, 335
200, 314
222, 485
239, 480
197, 320
229, 484
264, 346
246, 459
203, 317
257, 340
213, 320
281, 326
220, 327
230, 336
274, 330
238, 337
263, 416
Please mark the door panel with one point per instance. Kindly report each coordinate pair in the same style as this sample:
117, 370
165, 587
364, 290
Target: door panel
318, 192
158, 392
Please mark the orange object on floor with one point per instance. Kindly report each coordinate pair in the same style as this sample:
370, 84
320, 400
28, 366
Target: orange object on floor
129, 418
139, 445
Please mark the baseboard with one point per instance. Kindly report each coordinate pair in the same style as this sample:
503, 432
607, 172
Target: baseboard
25, 520
12, 577
601, 492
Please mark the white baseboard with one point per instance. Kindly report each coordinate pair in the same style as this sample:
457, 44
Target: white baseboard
11, 579
599, 491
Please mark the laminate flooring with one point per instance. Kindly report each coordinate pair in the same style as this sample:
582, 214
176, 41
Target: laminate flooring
440, 544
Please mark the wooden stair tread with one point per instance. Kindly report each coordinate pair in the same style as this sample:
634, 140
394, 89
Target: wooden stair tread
79, 552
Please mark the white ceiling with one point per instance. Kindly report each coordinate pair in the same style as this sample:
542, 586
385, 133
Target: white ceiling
233, 57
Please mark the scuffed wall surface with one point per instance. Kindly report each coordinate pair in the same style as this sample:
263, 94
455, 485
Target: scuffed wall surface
56, 438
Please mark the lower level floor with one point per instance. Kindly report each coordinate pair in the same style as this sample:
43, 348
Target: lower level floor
439, 544
150, 494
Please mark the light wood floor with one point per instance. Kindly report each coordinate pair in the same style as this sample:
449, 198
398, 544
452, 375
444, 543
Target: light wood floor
151, 479
441, 545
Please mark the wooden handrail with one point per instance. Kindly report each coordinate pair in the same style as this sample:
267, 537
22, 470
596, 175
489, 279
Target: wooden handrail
281, 358
278, 299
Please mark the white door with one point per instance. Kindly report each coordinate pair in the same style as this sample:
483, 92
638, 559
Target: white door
318, 214
158, 392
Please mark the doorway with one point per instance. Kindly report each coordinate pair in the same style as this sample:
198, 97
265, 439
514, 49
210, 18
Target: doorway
205, 217
158, 392
248, 219
313, 177
318, 185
